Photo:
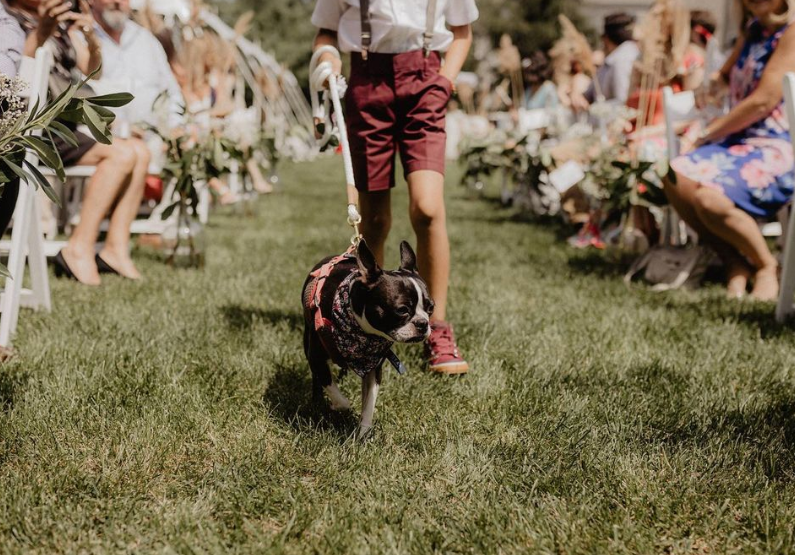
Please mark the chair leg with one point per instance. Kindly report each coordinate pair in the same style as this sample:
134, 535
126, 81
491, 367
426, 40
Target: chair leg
785, 300
23, 214
37, 260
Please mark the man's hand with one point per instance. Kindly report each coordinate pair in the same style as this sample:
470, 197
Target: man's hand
84, 22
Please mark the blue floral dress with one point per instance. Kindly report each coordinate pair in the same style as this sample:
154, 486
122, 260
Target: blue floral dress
754, 168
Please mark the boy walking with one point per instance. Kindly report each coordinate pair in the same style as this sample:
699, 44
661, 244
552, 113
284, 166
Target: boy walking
396, 103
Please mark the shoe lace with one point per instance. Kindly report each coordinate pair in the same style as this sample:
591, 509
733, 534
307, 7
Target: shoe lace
443, 342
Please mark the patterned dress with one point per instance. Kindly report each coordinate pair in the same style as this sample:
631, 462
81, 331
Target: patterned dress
754, 167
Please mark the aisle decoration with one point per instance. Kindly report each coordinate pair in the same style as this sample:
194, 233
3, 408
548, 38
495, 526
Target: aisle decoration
35, 129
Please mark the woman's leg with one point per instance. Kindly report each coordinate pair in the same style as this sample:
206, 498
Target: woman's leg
740, 230
429, 220
116, 251
376, 212
114, 170
682, 197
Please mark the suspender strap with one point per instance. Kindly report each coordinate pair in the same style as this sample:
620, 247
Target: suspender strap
367, 28
430, 25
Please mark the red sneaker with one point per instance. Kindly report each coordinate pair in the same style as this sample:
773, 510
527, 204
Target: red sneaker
442, 352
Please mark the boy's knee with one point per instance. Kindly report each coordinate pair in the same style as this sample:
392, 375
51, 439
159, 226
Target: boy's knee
378, 224
423, 214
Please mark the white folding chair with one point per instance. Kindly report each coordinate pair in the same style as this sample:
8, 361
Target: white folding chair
27, 241
785, 307
677, 108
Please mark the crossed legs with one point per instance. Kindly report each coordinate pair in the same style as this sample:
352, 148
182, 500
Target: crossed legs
731, 232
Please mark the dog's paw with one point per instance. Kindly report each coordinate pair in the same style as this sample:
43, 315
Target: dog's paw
337, 401
341, 404
365, 433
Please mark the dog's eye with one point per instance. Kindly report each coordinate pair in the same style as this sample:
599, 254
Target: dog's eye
431, 306
403, 311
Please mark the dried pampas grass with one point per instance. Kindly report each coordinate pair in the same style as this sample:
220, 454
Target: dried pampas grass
572, 47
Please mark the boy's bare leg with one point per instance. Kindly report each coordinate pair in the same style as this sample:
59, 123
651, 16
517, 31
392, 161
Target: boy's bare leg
376, 212
429, 220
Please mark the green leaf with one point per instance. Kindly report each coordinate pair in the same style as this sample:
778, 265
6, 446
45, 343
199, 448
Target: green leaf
98, 127
169, 210
63, 132
116, 100
43, 183
47, 154
19, 172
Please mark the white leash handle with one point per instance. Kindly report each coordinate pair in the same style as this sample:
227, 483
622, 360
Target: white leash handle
320, 73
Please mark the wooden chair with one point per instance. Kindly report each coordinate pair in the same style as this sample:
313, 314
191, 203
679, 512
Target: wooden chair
27, 241
785, 307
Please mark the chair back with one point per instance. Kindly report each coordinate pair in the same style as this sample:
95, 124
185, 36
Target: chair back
678, 107
35, 72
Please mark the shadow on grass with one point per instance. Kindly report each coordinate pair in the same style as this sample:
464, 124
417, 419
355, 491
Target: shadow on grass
288, 397
596, 263
756, 316
241, 318
12, 381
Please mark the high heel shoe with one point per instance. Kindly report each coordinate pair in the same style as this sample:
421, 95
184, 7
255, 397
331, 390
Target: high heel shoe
62, 269
104, 267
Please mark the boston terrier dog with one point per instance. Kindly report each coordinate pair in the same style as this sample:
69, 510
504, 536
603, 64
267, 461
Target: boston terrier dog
353, 314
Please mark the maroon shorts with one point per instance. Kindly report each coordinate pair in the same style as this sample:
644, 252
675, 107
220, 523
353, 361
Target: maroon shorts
396, 103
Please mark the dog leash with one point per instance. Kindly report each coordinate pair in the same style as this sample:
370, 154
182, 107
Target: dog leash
322, 102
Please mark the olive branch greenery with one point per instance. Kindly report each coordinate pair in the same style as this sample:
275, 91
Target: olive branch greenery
37, 128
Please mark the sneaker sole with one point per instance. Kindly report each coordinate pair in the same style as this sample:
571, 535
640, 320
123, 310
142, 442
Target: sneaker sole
450, 368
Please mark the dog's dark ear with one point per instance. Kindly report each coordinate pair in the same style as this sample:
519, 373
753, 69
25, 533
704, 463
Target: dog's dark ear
367, 263
408, 260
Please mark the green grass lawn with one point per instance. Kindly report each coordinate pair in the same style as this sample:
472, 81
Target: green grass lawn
175, 416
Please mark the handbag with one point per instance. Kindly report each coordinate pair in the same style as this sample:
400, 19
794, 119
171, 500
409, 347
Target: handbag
667, 268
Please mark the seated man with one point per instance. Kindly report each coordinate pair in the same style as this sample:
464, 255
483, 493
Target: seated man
118, 184
132, 56
614, 76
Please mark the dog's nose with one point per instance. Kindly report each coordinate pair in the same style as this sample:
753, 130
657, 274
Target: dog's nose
422, 326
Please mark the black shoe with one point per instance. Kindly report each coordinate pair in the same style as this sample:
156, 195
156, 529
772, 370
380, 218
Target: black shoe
104, 267
62, 269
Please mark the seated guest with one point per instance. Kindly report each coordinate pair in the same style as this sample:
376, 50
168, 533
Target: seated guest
12, 41
133, 56
540, 91
702, 31
118, 184
742, 168
621, 52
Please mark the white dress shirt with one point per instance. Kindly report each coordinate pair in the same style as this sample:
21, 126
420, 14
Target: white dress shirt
398, 25
138, 64
616, 73
12, 40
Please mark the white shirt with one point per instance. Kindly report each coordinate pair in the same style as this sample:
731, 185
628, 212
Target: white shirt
398, 25
615, 75
139, 65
